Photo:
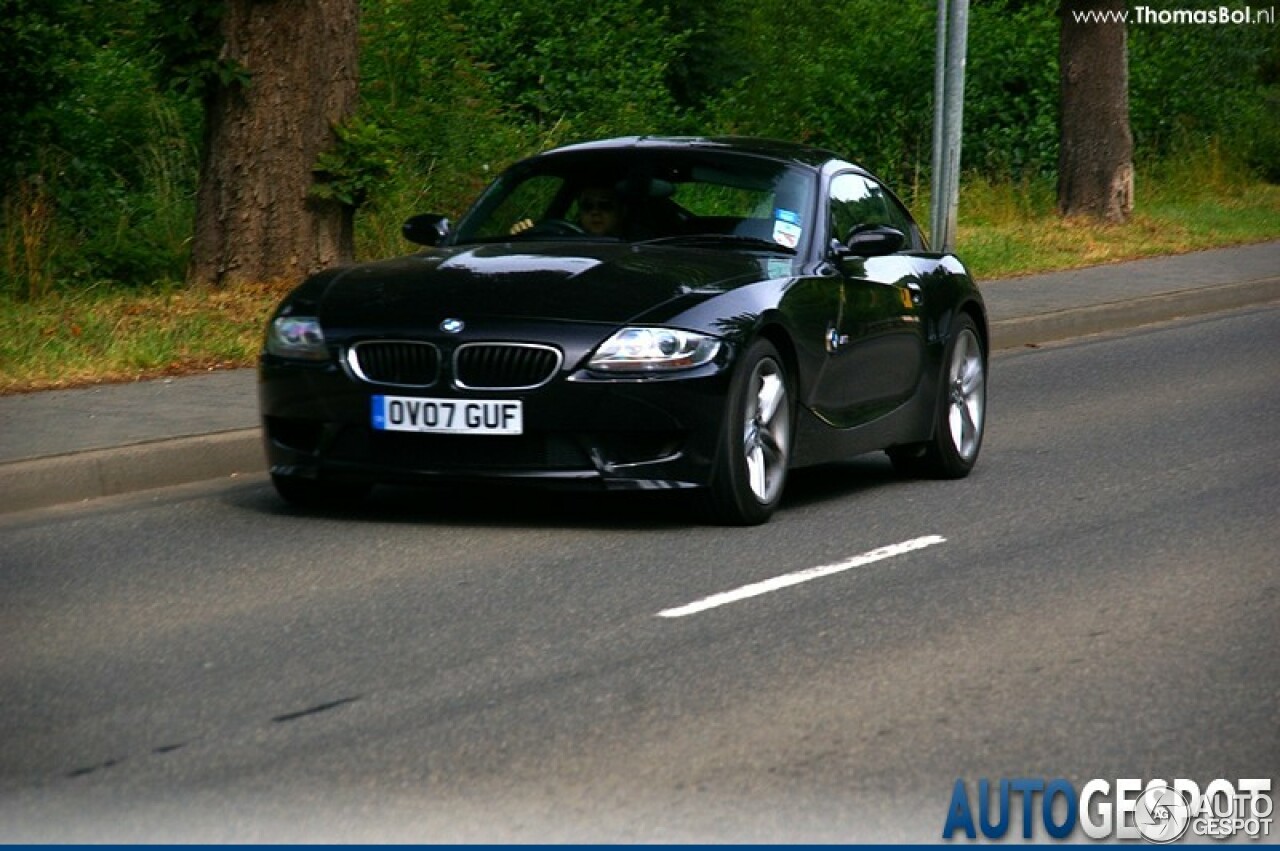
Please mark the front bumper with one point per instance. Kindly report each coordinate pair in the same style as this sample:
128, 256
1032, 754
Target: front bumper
580, 430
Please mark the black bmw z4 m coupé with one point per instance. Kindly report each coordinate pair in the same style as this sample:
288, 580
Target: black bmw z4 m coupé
636, 313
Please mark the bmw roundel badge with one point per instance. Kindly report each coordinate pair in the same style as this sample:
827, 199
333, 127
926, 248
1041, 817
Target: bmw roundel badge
452, 326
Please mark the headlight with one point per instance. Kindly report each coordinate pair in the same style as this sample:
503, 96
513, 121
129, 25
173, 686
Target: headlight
653, 350
297, 337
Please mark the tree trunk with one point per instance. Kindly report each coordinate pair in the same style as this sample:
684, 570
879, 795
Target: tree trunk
1095, 155
255, 221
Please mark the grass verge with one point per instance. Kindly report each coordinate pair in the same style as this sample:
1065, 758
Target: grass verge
67, 339
73, 339
1197, 200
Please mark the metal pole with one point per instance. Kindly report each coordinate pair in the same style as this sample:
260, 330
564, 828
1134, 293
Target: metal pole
958, 37
937, 193
953, 36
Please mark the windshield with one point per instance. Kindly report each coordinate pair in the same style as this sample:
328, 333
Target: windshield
630, 195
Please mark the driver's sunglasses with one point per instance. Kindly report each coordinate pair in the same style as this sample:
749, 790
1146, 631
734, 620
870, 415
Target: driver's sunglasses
594, 205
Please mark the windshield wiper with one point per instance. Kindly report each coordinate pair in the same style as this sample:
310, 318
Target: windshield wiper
721, 239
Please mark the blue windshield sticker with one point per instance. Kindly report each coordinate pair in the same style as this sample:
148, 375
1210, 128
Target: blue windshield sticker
787, 216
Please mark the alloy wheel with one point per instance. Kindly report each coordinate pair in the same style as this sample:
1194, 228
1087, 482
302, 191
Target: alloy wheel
966, 401
767, 430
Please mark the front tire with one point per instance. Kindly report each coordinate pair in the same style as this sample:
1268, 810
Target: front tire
960, 418
755, 444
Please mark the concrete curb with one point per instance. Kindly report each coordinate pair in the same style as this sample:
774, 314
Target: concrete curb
1130, 313
42, 482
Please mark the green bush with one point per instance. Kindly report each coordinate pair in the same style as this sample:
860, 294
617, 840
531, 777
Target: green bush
852, 76
40, 46
1011, 90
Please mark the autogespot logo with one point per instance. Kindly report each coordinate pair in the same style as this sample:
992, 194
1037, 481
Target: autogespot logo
1162, 814
1157, 811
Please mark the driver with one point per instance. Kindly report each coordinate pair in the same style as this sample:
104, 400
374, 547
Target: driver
600, 211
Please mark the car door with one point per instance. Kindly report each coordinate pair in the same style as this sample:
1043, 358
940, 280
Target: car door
875, 344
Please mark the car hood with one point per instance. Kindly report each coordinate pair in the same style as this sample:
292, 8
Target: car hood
579, 282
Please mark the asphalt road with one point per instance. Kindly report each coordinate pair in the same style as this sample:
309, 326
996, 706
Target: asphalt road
1099, 599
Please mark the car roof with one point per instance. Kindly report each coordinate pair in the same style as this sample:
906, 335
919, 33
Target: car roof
760, 147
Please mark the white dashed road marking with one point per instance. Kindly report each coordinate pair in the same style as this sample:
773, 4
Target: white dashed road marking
788, 579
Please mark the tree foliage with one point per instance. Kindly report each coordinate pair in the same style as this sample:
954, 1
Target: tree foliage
188, 42
102, 103
1189, 84
39, 44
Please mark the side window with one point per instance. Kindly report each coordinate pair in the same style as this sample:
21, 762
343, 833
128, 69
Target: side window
901, 219
857, 200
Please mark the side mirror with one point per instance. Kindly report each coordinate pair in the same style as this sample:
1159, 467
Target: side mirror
874, 240
426, 229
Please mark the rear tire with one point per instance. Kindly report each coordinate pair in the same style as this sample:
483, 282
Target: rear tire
960, 417
312, 493
755, 443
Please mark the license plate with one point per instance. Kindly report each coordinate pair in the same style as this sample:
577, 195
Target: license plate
448, 416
